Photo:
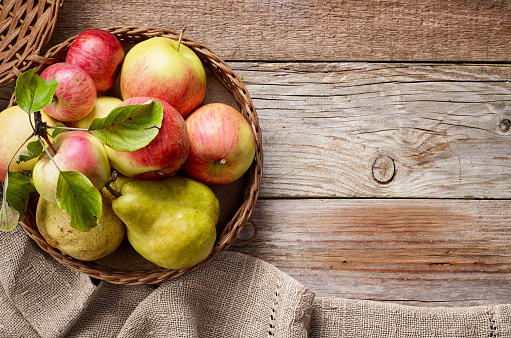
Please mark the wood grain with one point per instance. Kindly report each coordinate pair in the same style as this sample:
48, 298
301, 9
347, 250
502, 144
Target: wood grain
325, 124
315, 30
416, 252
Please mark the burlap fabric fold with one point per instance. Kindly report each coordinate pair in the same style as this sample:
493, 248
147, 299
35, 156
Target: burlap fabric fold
234, 296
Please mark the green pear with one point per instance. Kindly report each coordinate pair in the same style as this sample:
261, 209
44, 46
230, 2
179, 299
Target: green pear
54, 225
170, 222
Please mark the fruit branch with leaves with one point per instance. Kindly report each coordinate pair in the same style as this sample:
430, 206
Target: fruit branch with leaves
126, 128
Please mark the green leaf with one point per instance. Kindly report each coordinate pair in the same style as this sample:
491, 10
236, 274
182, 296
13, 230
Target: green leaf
18, 192
32, 93
129, 128
8, 217
14, 200
34, 149
79, 199
58, 131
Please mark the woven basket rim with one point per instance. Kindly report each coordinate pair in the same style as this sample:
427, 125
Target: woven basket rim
231, 81
27, 26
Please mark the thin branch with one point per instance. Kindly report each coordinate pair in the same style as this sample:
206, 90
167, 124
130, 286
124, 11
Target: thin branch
47, 139
31, 124
19, 148
67, 128
47, 151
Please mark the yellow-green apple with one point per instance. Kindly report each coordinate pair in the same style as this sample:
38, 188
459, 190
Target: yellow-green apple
163, 156
15, 127
100, 54
75, 95
222, 144
103, 106
78, 151
156, 68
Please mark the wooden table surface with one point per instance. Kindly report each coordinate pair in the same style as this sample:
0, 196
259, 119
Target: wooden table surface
386, 136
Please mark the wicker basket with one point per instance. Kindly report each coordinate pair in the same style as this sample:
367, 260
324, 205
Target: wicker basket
25, 27
226, 235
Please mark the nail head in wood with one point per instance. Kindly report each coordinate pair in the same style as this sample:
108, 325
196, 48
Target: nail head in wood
383, 169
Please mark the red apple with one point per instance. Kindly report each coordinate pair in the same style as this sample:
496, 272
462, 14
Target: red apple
222, 144
99, 53
156, 68
75, 95
78, 151
165, 154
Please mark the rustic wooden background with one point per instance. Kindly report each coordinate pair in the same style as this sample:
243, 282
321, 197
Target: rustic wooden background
386, 131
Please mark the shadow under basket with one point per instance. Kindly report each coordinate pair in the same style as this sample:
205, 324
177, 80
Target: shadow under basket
237, 200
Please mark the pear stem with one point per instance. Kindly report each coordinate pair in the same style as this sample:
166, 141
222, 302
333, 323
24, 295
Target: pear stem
180, 38
112, 179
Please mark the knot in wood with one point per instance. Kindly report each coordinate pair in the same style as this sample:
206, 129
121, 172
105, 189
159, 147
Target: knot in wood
505, 125
383, 169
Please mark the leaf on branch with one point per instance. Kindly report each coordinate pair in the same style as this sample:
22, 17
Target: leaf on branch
8, 217
58, 131
17, 189
18, 192
79, 199
34, 149
32, 93
129, 128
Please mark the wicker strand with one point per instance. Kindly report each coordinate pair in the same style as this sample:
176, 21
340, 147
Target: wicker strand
25, 27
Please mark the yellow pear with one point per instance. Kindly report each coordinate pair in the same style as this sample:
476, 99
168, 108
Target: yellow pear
54, 225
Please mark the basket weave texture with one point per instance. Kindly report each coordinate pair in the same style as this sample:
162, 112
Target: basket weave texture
230, 232
25, 27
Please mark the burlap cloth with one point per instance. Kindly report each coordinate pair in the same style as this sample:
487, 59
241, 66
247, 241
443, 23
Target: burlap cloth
234, 296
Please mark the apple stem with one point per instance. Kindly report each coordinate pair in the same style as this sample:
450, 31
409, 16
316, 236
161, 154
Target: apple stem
180, 38
223, 161
112, 179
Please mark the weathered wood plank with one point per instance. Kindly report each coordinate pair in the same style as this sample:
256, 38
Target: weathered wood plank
446, 127
401, 30
418, 252
325, 124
